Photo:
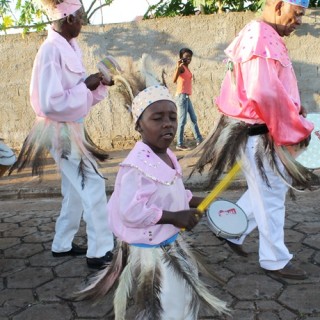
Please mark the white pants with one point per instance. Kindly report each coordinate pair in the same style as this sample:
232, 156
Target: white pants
265, 209
175, 297
91, 201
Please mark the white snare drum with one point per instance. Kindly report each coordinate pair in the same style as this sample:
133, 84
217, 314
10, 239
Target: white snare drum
226, 219
108, 67
310, 157
7, 158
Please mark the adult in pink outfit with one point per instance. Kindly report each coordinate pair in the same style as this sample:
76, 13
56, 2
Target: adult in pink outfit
261, 116
61, 96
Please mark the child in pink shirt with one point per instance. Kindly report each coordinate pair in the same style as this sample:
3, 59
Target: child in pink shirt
148, 208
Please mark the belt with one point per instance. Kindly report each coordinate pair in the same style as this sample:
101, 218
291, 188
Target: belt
257, 129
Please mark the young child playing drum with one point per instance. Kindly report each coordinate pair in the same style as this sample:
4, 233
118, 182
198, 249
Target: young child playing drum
148, 208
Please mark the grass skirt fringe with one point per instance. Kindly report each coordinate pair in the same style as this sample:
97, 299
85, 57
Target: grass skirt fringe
227, 141
60, 137
135, 273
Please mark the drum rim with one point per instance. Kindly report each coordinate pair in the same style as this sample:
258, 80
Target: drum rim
228, 234
310, 117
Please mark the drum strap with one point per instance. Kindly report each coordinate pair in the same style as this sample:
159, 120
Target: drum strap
257, 129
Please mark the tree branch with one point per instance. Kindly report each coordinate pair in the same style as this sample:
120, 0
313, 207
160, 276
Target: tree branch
96, 9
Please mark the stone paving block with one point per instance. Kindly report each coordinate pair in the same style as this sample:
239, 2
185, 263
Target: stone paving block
45, 312
5, 214
293, 236
29, 278
20, 232
304, 298
79, 268
11, 300
48, 227
220, 273
313, 241
45, 259
252, 265
276, 308
18, 217
317, 258
58, 287
245, 305
5, 226
39, 237
9, 266
285, 314
36, 221
86, 309
6, 243
302, 218
267, 315
256, 287
23, 250
213, 254
308, 227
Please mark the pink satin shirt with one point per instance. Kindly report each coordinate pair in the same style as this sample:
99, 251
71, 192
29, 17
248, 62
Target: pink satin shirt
260, 85
145, 186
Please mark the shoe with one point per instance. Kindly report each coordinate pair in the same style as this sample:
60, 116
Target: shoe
99, 263
75, 251
237, 248
182, 147
289, 272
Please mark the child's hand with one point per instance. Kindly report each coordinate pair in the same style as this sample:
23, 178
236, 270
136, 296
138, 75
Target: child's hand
180, 65
93, 81
184, 219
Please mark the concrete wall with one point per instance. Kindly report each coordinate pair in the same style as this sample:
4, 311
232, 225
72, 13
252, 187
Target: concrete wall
108, 123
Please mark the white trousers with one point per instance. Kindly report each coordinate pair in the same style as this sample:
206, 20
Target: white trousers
175, 297
90, 200
265, 209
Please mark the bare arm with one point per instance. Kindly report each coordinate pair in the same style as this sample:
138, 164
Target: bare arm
179, 69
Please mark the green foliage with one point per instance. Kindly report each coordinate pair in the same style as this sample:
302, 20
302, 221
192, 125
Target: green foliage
27, 16
169, 8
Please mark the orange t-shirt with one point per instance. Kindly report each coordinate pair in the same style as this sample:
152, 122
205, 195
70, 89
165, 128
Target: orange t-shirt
184, 82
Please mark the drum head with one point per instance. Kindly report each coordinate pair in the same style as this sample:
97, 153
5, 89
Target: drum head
226, 219
310, 158
7, 157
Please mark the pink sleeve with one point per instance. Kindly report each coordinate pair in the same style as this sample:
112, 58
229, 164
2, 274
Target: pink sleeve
189, 195
136, 209
61, 104
271, 101
99, 94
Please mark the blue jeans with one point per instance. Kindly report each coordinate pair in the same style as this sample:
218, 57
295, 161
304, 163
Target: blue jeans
185, 107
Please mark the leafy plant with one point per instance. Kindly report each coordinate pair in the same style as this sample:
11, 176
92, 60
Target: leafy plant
28, 16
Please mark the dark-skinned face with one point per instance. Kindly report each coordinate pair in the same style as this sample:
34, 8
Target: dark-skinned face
289, 17
77, 22
158, 125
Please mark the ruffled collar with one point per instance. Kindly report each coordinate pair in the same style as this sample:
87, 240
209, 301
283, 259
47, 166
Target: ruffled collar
258, 39
70, 48
148, 163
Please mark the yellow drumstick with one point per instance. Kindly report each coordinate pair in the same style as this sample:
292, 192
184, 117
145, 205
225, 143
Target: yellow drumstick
221, 186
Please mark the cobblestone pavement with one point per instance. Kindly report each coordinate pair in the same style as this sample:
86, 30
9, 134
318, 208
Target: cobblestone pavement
32, 280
